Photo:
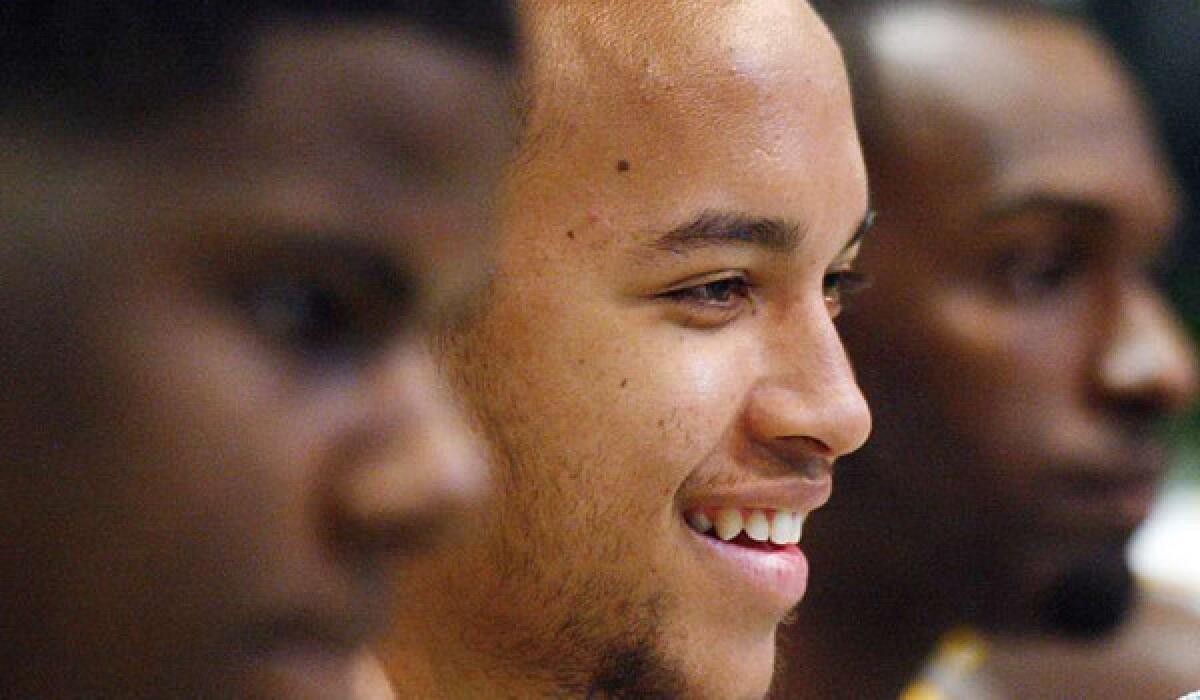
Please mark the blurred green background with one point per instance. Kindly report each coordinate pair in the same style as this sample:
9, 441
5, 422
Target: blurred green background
1185, 432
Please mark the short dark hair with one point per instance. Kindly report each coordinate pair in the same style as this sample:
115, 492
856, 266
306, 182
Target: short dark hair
95, 62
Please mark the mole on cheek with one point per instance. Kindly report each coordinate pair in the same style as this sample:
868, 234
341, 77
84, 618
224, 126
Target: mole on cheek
622, 166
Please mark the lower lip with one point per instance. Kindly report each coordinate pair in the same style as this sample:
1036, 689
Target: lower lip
305, 670
1133, 503
1106, 509
778, 577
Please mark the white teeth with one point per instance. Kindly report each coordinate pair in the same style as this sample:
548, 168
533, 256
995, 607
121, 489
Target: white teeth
699, 522
758, 528
729, 523
782, 527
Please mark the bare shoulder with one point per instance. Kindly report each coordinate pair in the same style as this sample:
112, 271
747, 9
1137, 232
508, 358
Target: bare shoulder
1154, 655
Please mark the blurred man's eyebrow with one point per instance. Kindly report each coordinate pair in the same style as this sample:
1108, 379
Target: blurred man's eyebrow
1026, 202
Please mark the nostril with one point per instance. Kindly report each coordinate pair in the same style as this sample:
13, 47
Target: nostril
805, 456
814, 446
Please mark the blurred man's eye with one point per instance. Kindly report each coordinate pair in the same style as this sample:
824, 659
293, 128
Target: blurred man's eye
1035, 274
335, 308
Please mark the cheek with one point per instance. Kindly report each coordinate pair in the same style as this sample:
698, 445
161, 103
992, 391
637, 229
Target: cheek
211, 431
699, 387
639, 397
1009, 385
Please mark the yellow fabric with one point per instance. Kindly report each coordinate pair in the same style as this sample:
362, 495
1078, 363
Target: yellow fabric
921, 691
958, 655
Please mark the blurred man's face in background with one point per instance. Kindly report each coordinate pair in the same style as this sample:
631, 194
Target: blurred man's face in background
658, 345
218, 421
1014, 344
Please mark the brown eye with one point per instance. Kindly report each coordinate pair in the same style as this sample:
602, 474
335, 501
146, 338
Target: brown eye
838, 286
1034, 275
722, 291
711, 304
324, 307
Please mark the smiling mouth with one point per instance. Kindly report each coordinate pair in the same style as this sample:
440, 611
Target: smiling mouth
753, 550
755, 528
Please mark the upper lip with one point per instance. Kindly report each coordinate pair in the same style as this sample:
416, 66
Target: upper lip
790, 494
1132, 466
333, 630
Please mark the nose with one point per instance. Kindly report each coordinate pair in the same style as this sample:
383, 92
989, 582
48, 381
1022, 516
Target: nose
809, 400
1148, 365
417, 465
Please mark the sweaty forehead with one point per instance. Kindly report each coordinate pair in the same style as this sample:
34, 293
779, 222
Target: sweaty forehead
675, 65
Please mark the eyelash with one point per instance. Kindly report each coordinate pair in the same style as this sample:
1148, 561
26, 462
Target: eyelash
721, 299
716, 292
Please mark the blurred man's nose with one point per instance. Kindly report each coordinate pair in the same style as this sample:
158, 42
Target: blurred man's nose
1149, 363
426, 465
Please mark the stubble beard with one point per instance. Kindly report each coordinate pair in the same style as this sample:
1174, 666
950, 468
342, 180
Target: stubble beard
1090, 600
548, 607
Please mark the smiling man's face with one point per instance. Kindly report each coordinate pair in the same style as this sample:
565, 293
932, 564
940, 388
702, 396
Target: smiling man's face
658, 349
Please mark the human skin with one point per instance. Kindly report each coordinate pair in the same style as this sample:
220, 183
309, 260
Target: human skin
622, 380
1014, 345
220, 423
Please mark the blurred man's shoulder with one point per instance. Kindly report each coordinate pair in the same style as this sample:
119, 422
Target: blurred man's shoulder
1156, 654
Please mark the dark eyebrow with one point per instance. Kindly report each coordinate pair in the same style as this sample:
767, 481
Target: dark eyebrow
715, 228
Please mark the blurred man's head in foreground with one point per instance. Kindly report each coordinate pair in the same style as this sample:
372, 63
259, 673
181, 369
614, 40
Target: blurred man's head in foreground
655, 365
227, 228
1015, 346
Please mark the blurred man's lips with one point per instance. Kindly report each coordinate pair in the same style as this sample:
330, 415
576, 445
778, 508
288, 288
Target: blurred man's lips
305, 670
750, 535
1119, 502
304, 658
1117, 493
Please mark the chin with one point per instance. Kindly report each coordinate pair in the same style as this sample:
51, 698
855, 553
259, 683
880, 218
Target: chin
1090, 600
733, 671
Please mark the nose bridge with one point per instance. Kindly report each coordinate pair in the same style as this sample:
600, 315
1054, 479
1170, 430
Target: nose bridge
1147, 356
810, 390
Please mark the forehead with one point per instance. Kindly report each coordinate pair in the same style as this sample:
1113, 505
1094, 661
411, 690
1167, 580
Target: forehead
1038, 100
360, 107
371, 132
737, 105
